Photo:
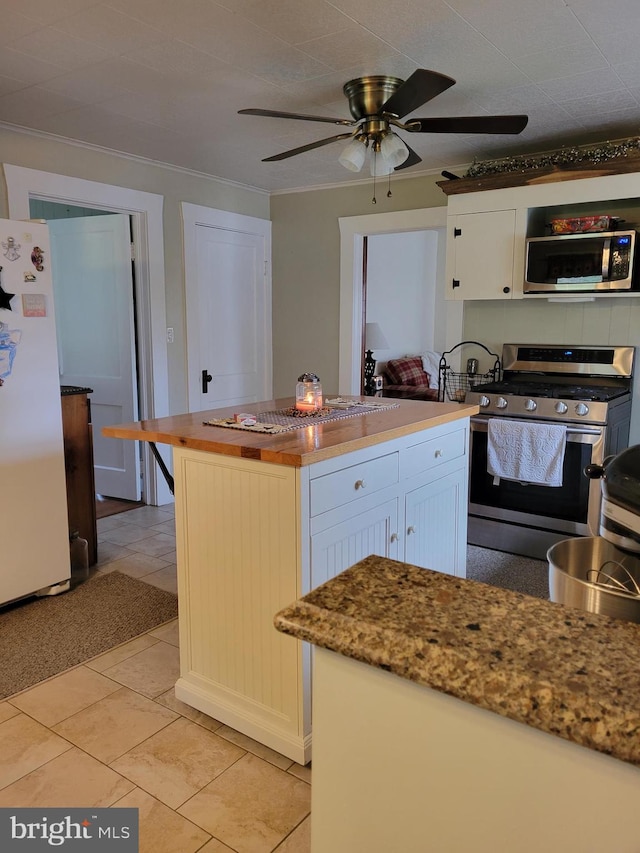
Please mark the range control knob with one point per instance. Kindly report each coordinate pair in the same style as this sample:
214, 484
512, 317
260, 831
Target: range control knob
561, 408
484, 401
582, 409
531, 405
501, 403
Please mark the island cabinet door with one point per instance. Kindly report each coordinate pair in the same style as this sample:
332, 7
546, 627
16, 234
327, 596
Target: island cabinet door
435, 526
373, 532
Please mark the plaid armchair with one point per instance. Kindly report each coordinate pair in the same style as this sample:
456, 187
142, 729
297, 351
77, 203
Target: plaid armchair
406, 378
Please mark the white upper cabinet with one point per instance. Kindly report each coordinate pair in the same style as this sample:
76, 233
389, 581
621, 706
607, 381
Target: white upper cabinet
480, 252
487, 230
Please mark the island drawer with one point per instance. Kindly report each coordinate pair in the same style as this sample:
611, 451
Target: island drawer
350, 484
437, 451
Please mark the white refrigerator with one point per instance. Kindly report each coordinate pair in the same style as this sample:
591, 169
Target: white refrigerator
34, 534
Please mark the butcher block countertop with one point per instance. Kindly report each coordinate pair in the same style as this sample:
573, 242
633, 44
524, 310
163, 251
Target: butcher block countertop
298, 447
561, 670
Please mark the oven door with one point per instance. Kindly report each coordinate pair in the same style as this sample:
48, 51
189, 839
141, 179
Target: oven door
572, 509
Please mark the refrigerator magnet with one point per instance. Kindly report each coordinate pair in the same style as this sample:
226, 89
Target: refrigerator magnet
10, 249
29, 276
5, 298
34, 305
37, 258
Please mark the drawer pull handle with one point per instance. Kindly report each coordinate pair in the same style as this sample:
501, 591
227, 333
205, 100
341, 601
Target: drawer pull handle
410, 530
438, 453
359, 484
394, 537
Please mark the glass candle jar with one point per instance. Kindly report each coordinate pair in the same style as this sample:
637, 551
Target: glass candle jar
308, 393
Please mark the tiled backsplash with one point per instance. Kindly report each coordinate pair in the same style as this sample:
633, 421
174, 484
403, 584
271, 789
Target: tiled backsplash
613, 321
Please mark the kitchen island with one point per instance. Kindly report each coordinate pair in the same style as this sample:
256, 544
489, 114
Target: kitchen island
450, 715
261, 519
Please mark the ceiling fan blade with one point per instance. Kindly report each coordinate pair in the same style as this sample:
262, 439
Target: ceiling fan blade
411, 160
420, 87
309, 147
469, 124
300, 116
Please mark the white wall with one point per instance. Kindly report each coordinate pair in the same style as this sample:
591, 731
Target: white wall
401, 288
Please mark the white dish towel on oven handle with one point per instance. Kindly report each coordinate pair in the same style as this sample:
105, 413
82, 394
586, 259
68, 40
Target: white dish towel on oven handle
525, 452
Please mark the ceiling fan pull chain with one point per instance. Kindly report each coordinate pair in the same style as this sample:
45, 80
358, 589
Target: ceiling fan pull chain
389, 193
373, 154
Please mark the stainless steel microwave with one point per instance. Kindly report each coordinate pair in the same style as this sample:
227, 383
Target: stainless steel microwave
581, 263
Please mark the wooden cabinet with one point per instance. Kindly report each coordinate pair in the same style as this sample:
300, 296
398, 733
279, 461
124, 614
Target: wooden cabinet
480, 255
254, 536
78, 463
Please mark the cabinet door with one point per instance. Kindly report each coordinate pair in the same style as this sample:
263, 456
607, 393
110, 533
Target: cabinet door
335, 549
435, 525
481, 255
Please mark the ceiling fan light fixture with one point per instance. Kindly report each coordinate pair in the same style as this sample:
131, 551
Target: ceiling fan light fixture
379, 165
393, 149
354, 154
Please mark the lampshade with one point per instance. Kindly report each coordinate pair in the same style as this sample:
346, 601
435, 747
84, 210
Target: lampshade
393, 149
379, 165
353, 154
374, 337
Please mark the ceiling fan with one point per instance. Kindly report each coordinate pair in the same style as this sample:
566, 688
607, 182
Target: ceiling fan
377, 104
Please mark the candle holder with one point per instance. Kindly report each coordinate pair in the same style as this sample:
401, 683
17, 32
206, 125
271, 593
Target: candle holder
308, 393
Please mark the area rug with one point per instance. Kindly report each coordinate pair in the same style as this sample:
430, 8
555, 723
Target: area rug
46, 636
509, 571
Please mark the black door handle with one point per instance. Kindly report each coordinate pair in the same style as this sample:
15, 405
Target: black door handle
206, 379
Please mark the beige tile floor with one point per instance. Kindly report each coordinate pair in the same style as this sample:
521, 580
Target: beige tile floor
112, 733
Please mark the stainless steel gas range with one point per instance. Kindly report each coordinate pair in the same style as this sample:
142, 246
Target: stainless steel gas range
586, 388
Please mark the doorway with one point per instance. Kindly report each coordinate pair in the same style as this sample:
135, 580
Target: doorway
353, 229
94, 301
399, 295
145, 212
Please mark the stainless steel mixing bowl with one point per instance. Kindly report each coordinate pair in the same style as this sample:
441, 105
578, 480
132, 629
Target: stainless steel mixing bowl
590, 573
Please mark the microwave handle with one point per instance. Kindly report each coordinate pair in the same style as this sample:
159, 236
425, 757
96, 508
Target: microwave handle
606, 258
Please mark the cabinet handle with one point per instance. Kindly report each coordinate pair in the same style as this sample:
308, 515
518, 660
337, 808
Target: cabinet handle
455, 282
410, 530
394, 537
359, 484
438, 453
506, 290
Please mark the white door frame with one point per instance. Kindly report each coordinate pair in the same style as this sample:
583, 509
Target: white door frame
353, 229
145, 210
194, 215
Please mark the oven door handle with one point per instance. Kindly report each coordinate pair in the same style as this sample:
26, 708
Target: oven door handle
571, 430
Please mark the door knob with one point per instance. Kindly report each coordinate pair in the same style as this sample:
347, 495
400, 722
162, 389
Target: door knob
206, 379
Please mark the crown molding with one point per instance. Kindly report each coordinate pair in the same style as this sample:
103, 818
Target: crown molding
135, 158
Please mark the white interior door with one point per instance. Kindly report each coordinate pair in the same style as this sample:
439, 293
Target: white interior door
228, 308
93, 294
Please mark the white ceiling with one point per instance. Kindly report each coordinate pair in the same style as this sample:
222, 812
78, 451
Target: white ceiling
164, 79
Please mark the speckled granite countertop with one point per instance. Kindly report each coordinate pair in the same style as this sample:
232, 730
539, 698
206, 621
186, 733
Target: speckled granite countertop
558, 669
